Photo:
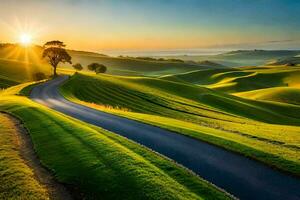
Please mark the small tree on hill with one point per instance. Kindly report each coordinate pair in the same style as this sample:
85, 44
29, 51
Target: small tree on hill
98, 68
55, 53
77, 67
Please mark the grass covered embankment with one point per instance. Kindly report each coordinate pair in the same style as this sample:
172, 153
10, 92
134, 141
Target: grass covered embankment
16, 177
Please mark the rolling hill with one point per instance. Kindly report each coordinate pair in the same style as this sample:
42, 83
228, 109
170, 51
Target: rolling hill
288, 95
20, 64
290, 61
241, 79
258, 54
117, 65
196, 111
242, 57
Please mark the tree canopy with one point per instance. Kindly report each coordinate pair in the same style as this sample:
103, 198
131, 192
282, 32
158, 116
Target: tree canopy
55, 53
55, 43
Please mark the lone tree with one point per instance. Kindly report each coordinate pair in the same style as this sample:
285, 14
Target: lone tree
55, 53
98, 68
77, 67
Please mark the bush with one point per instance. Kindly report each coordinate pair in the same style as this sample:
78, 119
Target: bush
39, 76
101, 69
77, 67
98, 68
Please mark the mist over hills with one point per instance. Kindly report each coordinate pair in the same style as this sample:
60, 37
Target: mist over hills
28, 60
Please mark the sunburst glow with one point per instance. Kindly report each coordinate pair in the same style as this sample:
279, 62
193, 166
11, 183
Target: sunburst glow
25, 39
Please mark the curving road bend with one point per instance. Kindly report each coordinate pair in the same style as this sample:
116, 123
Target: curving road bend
240, 176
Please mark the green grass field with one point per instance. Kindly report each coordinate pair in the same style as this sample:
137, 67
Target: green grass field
254, 111
99, 163
253, 128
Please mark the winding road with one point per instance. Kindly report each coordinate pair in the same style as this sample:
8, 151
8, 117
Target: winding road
240, 176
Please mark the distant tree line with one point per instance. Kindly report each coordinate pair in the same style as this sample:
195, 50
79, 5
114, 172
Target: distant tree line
154, 59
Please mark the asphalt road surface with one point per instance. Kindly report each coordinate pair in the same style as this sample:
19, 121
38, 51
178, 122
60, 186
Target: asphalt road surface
240, 176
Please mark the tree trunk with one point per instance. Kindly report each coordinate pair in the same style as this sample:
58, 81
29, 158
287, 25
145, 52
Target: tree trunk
54, 71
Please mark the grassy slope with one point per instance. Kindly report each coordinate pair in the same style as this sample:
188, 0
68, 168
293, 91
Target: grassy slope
242, 79
288, 95
203, 77
198, 112
17, 179
269, 83
5, 82
258, 79
19, 64
123, 65
99, 163
166, 97
20, 71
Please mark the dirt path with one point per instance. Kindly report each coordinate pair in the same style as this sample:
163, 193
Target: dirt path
56, 190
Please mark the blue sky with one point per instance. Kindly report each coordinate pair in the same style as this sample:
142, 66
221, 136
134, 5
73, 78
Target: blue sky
164, 24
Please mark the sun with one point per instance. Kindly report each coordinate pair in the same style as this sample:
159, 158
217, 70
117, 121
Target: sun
25, 39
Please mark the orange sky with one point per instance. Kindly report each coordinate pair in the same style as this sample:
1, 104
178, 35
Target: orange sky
108, 25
